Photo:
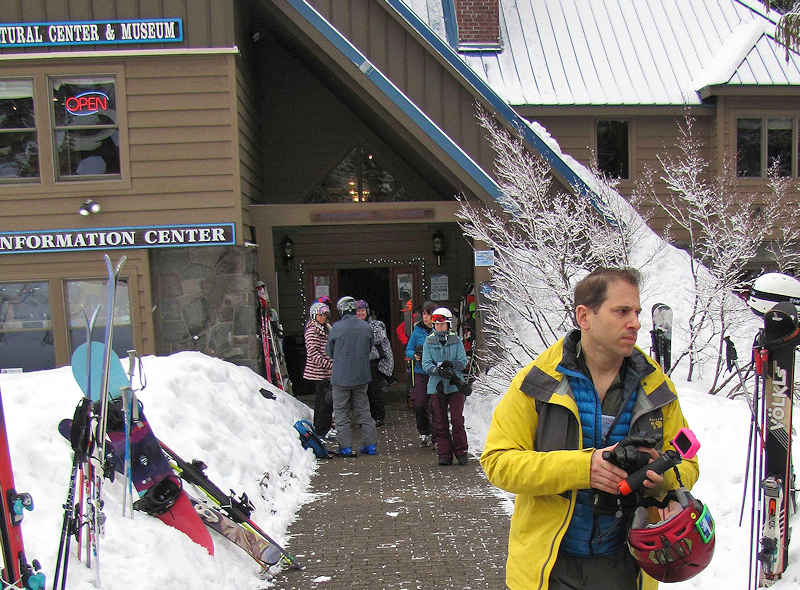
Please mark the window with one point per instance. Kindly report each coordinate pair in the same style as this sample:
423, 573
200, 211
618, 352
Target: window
748, 147
779, 145
85, 127
83, 296
612, 148
764, 142
19, 151
26, 332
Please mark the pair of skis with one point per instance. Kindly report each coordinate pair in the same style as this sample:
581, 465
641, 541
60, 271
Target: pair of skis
17, 572
771, 471
274, 359
237, 509
89, 448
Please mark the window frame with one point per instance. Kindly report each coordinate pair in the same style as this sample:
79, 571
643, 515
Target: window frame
91, 186
5, 180
55, 127
764, 117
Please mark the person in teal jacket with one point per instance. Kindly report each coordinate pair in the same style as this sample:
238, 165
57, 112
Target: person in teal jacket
419, 391
444, 359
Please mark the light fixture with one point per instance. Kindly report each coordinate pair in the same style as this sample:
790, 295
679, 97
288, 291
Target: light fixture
89, 207
438, 247
287, 247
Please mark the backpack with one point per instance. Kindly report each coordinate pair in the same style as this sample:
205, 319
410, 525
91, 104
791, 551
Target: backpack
310, 439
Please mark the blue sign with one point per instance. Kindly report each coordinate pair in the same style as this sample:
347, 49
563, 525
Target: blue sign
118, 238
96, 32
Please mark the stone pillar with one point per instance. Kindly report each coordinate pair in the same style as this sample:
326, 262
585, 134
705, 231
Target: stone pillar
205, 300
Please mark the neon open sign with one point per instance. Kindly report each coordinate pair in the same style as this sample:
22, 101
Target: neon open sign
87, 103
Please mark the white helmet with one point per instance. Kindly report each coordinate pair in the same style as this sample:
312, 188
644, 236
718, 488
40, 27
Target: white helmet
318, 307
442, 314
346, 305
772, 288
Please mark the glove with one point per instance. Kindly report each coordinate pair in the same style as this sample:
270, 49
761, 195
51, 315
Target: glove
443, 371
446, 364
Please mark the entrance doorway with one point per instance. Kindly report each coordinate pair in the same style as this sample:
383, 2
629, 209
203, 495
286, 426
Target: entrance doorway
370, 284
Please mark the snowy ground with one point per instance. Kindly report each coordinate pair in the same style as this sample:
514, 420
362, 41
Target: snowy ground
209, 409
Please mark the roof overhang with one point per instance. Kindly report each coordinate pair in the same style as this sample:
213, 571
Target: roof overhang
749, 90
607, 110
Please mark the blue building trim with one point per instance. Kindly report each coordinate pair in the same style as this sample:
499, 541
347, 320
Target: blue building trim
397, 97
450, 24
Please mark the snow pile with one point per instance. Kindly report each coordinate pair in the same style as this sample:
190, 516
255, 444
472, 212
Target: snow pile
203, 408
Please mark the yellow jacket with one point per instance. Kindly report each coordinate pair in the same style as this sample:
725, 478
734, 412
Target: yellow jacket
533, 449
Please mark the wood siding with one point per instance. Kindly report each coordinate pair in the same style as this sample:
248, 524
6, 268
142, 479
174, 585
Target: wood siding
650, 136
206, 23
414, 68
177, 147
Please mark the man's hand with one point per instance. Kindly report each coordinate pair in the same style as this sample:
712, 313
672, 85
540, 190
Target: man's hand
653, 479
604, 475
418, 356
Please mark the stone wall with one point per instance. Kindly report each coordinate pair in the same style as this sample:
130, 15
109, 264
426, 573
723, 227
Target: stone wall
205, 300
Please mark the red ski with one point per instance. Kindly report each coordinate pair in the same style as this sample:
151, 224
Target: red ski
17, 572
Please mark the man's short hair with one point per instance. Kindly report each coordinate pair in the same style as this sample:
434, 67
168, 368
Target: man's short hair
592, 289
428, 307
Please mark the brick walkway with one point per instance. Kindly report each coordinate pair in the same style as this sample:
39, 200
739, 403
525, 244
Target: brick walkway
397, 520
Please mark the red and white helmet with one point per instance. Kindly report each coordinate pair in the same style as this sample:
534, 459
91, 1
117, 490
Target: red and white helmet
442, 314
675, 549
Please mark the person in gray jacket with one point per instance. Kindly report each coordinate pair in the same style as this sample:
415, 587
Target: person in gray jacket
349, 345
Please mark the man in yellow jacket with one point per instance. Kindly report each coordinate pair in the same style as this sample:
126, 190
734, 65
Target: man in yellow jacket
582, 396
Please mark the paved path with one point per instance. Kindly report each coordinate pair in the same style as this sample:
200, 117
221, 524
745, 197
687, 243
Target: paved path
397, 520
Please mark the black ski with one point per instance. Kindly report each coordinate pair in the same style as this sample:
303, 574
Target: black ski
775, 352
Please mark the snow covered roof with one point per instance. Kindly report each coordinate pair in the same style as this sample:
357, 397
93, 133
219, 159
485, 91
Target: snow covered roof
625, 52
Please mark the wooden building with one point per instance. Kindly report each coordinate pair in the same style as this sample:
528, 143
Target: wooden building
316, 145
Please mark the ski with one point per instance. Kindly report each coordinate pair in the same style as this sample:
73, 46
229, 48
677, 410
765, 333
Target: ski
661, 335
274, 360
266, 554
17, 572
238, 509
776, 353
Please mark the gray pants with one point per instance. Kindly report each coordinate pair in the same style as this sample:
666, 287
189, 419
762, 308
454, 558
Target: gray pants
355, 399
606, 572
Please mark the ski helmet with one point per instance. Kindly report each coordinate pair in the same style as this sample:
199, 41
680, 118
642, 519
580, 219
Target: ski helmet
346, 305
361, 304
318, 307
675, 549
772, 288
442, 314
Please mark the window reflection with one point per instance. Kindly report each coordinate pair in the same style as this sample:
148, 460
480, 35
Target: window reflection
19, 151
26, 332
82, 297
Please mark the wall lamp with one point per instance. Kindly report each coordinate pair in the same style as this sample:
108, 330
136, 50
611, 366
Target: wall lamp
89, 207
438, 247
287, 247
